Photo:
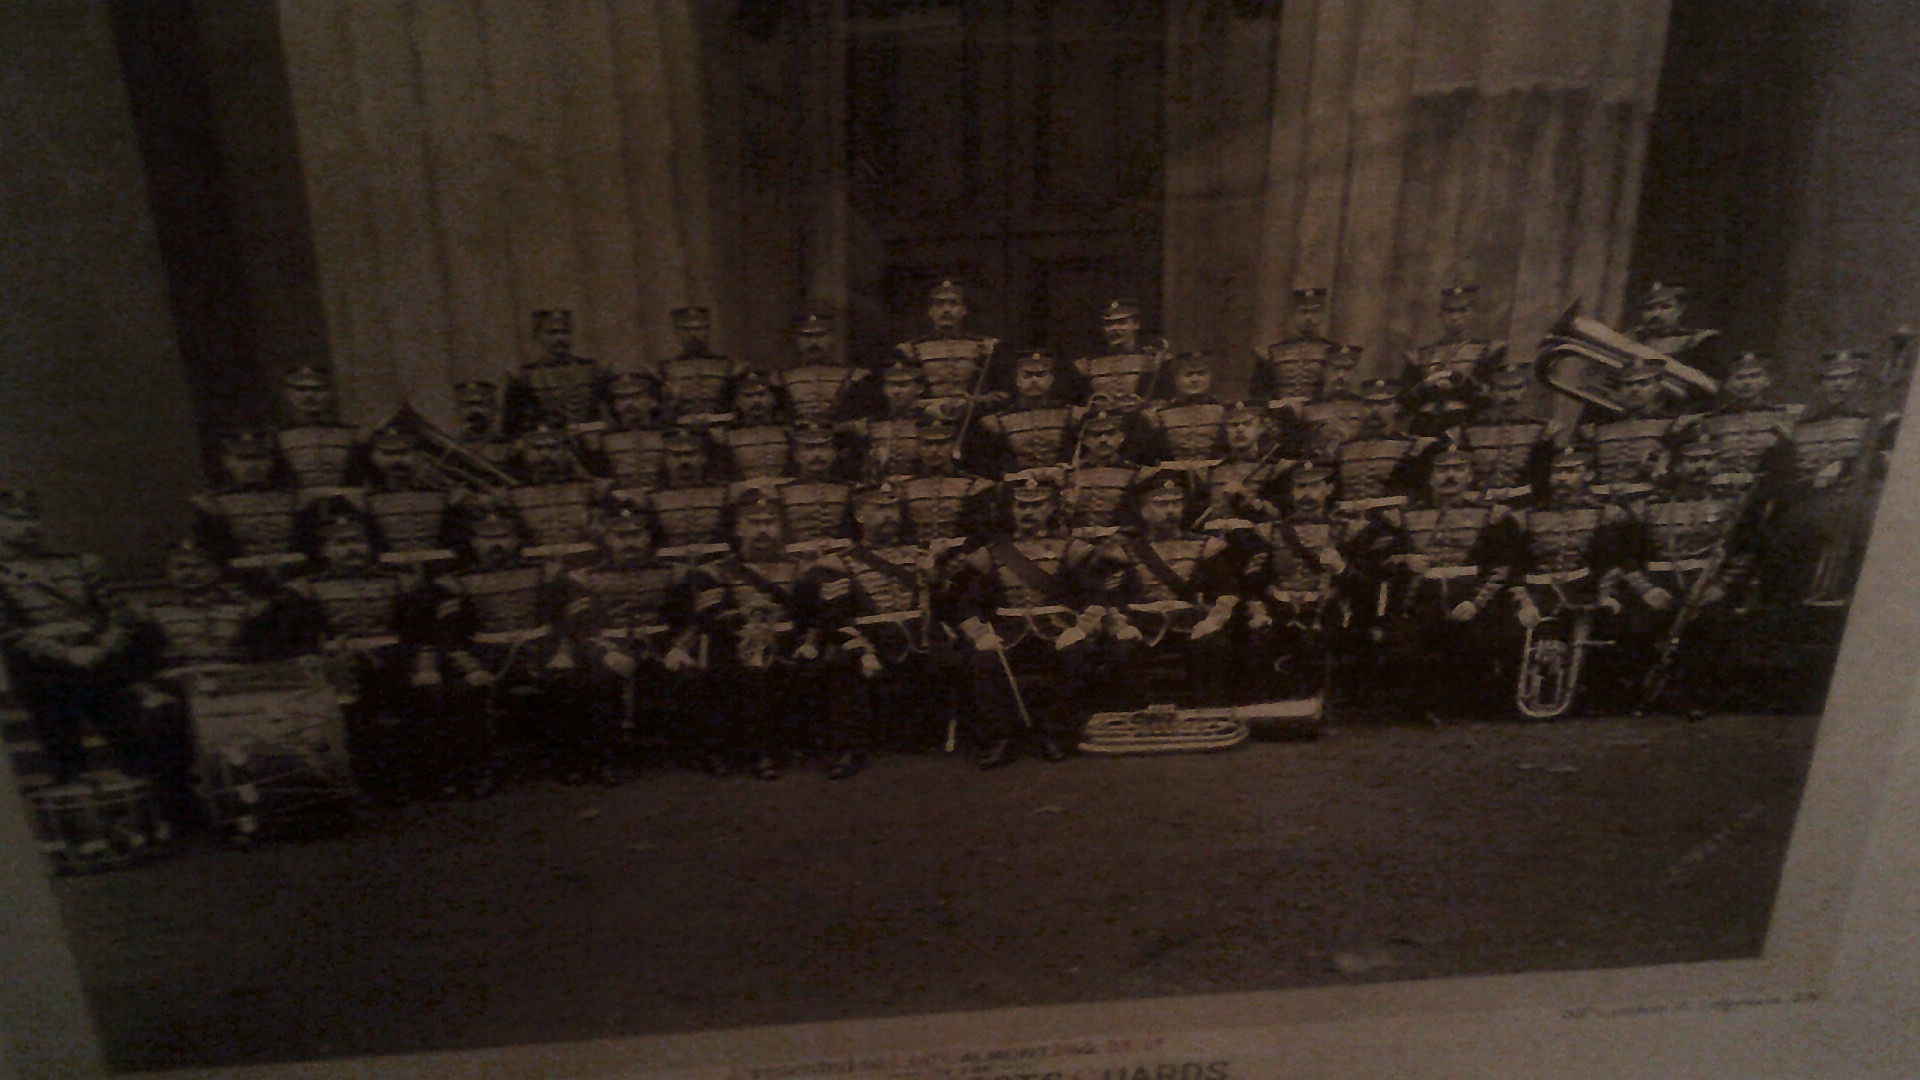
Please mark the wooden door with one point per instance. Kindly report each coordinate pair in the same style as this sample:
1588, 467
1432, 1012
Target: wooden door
1014, 145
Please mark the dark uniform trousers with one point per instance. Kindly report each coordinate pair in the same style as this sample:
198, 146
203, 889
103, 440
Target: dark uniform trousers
1052, 685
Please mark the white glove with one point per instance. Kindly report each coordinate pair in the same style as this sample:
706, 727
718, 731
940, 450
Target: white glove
1610, 604
1208, 627
808, 650
426, 670
1657, 598
562, 661
619, 662
153, 698
1121, 629
1333, 561
869, 665
1465, 610
1528, 614
1073, 636
85, 656
1258, 616
480, 678
678, 659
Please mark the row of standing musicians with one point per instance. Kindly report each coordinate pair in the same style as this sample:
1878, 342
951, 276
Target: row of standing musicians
776, 567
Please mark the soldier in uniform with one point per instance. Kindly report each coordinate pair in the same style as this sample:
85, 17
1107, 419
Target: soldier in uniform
1296, 612
1247, 483
1187, 422
1821, 531
1752, 435
946, 507
893, 661
760, 636
410, 502
633, 445
1318, 428
1290, 369
1378, 467
247, 521
370, 621
696, 381
1179, 588
1577, 548
477, 402
1436, 568
815, 500
496, 629
1131, 366
626, 612
1035, 428
1510, 446
555, 492
1662, 311
1441, 386
1019, 600
1631, 449
203, 619
1094, 493
691, 500
70, 649
319, 451
822, 388
556, 384
961, 371
887, 443
756, 437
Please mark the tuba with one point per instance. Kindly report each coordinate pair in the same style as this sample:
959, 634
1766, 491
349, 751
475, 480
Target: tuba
1579, 354
446, 457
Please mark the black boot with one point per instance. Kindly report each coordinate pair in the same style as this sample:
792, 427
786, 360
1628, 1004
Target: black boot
998, 753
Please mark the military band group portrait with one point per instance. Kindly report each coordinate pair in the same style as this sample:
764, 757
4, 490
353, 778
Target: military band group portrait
962, 547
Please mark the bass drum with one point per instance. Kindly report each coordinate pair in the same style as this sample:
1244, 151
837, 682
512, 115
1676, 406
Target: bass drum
102, 821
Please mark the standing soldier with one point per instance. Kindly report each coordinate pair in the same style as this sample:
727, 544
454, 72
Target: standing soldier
814, 500
1377, 467
1187, 422
1438, 566
370, 621
756, 436
555, 384
822, 388
1290, 370
497, 627
1661, 312
477, 402
69, 650
695, 382
691, 501
1752, 435
946, 508
1441, 386
554, 494
1019, 605
1632, 448
1318, 428
887, 443
317, 448
1509, 445
624, 613
1094, 493
1131, 366
1034, 429
748, 597
247, 521
408, 500
961, 371
1821, 533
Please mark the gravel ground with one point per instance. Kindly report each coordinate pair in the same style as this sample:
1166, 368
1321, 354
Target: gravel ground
680, 902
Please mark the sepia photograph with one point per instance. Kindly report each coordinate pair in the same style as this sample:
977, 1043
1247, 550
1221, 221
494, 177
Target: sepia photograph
944, 538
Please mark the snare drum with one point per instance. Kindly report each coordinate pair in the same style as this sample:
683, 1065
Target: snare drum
102, 821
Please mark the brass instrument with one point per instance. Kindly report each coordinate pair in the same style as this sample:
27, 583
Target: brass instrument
1578, 356
446, 457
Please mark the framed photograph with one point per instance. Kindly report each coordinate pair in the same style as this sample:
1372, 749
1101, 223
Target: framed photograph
959, 539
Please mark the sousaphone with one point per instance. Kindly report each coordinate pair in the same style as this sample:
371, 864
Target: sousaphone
1579, 356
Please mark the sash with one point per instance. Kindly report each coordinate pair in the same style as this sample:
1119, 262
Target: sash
1007, 554
1143, 550
900, 574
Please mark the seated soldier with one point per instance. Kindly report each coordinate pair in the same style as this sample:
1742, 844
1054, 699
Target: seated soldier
247, 520
1510, 446
1179, 589
755, 437
1036, 427
633, 445
1298, 610
1186, 422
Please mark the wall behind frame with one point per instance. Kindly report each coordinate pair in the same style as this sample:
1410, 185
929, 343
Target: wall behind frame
96, 412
